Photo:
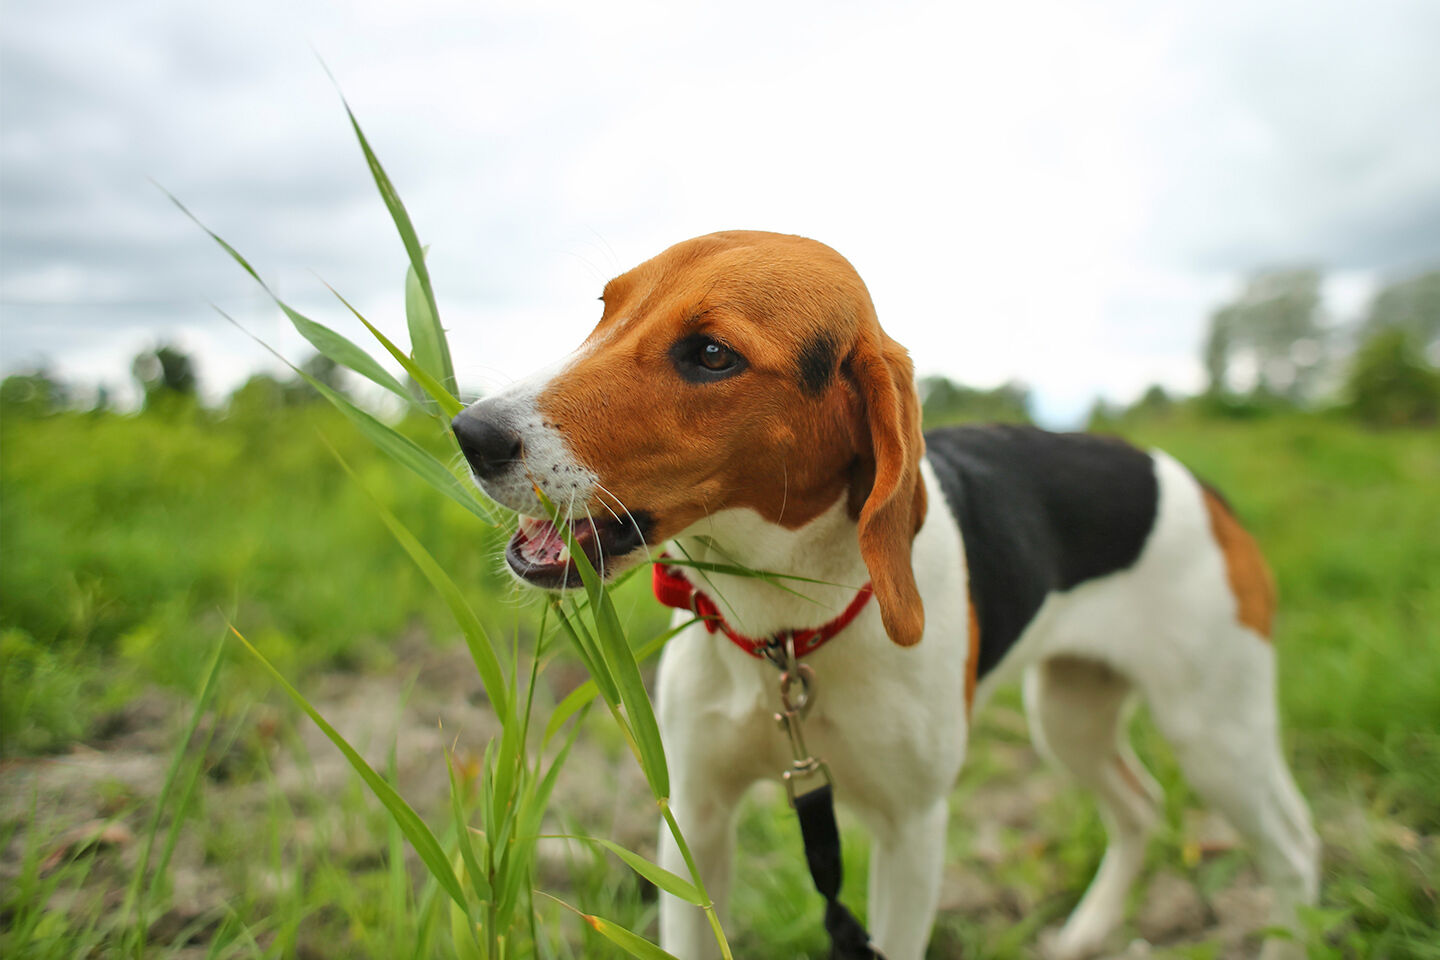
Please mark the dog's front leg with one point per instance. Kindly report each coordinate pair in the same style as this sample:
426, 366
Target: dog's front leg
706, 817
705, 747
907, 858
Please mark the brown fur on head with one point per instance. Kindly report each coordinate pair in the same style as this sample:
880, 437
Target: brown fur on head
822, 404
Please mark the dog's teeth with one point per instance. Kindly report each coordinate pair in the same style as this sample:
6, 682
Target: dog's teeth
564, 555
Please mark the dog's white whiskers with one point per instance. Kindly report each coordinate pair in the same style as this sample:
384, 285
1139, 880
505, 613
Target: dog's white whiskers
599, 546
607, 508
599, 275
784, 491
649, 554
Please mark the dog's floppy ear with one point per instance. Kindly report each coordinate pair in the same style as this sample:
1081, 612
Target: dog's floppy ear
895, 507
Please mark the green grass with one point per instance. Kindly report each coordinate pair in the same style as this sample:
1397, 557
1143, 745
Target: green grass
1348, 519
117, 579
129, 540
487, 868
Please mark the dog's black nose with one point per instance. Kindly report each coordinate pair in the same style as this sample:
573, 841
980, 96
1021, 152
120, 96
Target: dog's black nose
488, 445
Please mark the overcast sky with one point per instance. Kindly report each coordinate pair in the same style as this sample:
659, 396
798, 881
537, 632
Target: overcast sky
1037, 190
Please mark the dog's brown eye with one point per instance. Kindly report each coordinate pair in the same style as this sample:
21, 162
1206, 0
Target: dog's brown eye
700, 359
715, 357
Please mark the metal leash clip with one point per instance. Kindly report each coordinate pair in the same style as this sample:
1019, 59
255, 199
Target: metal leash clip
794, 674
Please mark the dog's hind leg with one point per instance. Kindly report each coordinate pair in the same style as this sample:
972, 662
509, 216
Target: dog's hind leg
1077, 710
1224, 727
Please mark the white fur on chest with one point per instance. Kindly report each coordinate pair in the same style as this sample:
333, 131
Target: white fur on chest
890, 721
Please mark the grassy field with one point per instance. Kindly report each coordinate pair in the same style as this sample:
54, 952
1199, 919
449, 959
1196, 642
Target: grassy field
129, 541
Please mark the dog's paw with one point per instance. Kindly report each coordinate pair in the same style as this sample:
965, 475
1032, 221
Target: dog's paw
1069, 943
1277, 948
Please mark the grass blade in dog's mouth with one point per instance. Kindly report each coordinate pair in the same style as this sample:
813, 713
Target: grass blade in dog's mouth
538, 554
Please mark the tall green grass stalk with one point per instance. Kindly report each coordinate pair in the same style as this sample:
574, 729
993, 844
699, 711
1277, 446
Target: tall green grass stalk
135, 912
487, 871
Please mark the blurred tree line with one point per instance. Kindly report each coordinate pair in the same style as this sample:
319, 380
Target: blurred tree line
943, 402
169, 384
1270, 349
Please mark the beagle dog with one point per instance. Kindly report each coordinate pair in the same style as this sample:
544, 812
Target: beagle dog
739, 400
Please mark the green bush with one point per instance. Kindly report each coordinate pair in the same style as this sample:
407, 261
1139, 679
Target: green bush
1390, 385
128, 540
42, 702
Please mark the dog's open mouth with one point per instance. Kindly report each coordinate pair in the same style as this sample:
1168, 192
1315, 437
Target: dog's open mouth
538, 553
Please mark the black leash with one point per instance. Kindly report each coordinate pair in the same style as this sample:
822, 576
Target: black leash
816, 810
848, 938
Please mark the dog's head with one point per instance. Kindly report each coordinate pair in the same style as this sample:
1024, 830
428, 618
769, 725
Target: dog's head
738, 369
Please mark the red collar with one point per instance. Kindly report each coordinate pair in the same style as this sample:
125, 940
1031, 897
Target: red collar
673, 590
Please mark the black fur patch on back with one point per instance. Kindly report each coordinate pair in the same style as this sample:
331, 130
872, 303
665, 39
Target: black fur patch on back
817, 361
1039, 512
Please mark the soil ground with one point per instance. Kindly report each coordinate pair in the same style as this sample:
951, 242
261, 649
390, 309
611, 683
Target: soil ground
100, 797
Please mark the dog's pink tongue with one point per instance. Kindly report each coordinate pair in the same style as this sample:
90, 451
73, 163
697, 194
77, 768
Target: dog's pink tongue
542, 543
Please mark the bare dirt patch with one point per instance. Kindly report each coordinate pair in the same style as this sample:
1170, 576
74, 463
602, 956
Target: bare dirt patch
96, 800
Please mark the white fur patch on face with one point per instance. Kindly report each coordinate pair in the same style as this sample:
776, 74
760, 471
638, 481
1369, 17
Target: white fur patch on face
546, 460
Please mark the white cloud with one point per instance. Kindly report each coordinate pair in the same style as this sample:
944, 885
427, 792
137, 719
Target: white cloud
1041, 191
